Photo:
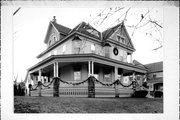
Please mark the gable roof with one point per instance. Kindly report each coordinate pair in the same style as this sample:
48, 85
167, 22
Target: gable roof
155, 67
61, 28
137, 63
84, 27
107, 33
58, 27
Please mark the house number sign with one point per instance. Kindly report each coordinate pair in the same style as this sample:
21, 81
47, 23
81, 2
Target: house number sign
115, 50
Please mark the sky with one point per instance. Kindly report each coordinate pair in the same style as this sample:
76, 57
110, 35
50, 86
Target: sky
30, 26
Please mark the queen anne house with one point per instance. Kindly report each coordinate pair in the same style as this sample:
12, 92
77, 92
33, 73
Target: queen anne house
75, 54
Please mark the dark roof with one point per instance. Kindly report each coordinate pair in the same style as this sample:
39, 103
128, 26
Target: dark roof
154, 67
61, 28
136, 63
155, 80
107, 33
83, 27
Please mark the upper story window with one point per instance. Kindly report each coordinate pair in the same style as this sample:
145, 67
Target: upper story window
92, 48
107, 47
55, 38
77, 42
121, 39
49, 43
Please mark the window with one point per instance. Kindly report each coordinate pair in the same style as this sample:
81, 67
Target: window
77, 46
49, 42
107, 74
107, 51
64, 49
154, 75
55, 38
121, 39
92, 48
77, 72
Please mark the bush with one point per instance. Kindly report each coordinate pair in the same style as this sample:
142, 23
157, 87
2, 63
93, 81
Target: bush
158, 94
140, 93
19, 90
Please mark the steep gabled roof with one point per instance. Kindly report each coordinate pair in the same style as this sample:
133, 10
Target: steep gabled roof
155, 67
87, 29
107, 33
59, 28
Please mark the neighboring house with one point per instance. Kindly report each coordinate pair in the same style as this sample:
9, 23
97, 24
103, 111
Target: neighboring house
75, 54
155, 76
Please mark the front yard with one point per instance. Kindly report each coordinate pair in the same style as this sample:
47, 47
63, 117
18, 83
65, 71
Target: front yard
25, 104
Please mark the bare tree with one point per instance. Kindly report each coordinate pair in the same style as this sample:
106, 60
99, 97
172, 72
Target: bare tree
145, 20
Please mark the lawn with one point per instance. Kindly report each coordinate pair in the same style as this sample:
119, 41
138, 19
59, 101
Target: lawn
87, 105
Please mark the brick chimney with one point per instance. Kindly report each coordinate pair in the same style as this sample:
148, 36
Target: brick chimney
54, 19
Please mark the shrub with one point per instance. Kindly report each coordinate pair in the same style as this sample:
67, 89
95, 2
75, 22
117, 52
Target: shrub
158, 94
140, 93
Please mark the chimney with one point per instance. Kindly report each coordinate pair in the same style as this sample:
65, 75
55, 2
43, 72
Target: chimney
54, 19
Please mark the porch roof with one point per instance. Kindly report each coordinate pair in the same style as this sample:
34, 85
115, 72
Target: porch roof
85, 58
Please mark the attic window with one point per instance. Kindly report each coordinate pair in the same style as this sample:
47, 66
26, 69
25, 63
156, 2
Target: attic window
55, 38
49, 42
121, 39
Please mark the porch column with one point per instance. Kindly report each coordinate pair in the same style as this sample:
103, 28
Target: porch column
131, 59
89, 68
116, 85
92, 65
39, 77
56, 69
116, 73
39, 83
134, 81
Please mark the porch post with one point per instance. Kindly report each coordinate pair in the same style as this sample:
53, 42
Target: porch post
134, 82
56, 81
89, 68
131, 58
39, 81
92, 65
56, 69
39, 77
116, 85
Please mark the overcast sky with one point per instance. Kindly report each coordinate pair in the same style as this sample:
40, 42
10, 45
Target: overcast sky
30, 26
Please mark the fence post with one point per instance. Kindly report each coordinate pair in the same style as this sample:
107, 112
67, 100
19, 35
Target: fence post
56, 87
39, 86
91, 87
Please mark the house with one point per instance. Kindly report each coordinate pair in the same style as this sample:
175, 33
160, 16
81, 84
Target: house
75, 54
155, 76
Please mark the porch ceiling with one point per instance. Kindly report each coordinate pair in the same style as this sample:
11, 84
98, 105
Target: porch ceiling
76, 58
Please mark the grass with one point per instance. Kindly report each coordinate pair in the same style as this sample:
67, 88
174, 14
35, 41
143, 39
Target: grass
86, 105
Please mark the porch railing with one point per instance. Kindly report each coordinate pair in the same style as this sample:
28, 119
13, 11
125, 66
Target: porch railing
91, 87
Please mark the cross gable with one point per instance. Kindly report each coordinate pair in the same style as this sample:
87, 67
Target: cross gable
119, 34
54, 30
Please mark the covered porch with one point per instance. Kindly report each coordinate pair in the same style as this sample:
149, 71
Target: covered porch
78, 67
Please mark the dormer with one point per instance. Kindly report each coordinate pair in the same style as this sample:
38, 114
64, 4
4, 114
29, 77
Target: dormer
55, 32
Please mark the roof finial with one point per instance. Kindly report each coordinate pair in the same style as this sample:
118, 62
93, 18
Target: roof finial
54, 19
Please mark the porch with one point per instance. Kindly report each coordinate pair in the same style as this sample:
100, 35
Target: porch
77, 68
